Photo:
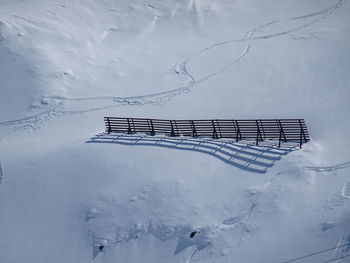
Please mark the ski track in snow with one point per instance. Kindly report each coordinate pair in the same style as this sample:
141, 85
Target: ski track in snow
328, 168
162, 97
192, 256
342, 251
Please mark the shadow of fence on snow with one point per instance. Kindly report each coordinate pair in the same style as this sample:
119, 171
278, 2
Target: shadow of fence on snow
244, 155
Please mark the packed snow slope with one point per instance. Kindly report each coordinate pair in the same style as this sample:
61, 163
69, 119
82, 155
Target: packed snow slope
67, 190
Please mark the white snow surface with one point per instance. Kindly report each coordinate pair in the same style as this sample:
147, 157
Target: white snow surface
66, 188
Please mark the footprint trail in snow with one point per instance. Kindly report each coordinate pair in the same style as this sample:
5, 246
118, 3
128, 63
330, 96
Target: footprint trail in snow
58, 103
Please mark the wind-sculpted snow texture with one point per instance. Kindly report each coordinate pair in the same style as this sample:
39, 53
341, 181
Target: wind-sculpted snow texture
72, 193
120, 231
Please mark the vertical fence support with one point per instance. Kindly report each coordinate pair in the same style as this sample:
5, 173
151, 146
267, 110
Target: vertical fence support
215, 134
238, 131
194, 131
258, 133
218, 124
109, 128
152, 127
262, 130
172, 129
281, 132
302, 134
129, 126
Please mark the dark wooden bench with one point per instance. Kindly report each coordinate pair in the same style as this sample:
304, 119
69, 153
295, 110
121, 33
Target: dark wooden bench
283, 130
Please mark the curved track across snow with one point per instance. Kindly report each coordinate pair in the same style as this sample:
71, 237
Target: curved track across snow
57, 107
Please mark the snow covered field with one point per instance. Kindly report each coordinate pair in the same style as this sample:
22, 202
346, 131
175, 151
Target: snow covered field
64, 65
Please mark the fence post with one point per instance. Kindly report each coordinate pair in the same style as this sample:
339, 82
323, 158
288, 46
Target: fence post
282, 131
172, 129
194, 131
238, 131
129, 126
301, 134
152, 128
215, 134
109, 128
218, 124
258, 133
262, 130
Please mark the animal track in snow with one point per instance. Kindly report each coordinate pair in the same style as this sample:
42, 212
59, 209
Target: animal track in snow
336, 201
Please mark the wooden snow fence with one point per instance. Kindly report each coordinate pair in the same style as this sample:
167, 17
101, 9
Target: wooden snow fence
283, 130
